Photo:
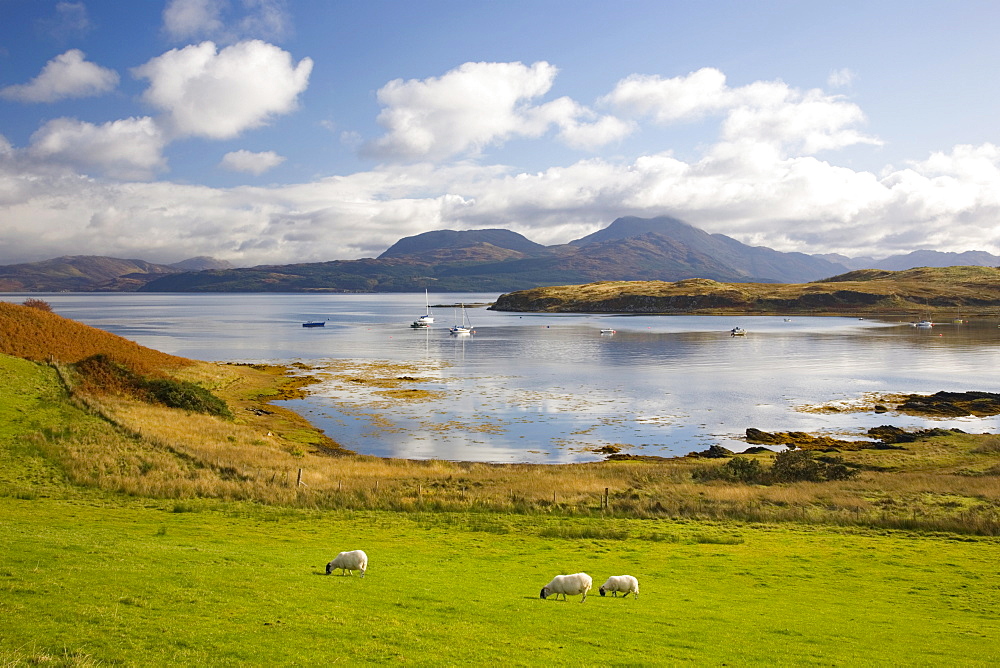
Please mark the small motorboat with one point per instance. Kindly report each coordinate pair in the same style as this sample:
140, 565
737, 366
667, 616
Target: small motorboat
924, 324
314, 323
607, 331
737, 331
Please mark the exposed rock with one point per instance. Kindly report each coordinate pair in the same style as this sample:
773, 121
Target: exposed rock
798, 439
713, 452
952, 404
756, 450
890, 434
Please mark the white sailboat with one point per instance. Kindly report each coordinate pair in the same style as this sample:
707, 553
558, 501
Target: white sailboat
464, 327
425, 320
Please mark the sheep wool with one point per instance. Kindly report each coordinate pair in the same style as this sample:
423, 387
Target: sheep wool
626, 584
348, 562
577, 583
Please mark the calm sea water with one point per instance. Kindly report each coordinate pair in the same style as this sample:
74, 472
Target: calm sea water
552, 388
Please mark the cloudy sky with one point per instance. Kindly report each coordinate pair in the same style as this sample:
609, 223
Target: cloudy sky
278, 131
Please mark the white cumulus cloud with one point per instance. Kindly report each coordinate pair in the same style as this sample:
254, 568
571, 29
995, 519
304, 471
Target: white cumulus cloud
68, 75
477, 105
220, 94
250, 162
765, 112
674, 99
127, 149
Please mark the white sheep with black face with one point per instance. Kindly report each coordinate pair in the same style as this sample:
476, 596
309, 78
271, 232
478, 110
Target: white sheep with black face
577, 583
348, 562
626, 584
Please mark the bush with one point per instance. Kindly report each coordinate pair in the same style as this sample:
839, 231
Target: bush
40, 304
799, 465
789, 466
185, 395
100, 373
744, 469
795, 466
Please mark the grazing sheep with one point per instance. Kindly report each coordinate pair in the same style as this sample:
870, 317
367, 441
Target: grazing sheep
626, 584
578, 583
348, 562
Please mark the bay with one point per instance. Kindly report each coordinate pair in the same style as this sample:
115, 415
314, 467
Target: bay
549, 388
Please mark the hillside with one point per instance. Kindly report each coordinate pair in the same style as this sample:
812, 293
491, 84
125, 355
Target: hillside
90, 273
154, 400
922, 291
39, 335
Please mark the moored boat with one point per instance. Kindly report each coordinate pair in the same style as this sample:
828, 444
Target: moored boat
462, 326
426, 319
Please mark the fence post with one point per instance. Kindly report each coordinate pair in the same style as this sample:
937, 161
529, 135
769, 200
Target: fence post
298, 480
606, 497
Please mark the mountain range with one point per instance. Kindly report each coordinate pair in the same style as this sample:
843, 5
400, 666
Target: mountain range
490, 260
91, 273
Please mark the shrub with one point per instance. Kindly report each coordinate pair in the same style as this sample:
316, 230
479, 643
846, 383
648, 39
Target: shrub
100, 373
40, 304
744, 469
799, 465
789, 466
737, 469
190, 397
795, 466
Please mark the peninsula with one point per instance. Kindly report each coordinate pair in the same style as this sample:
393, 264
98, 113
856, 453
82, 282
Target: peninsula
923, 292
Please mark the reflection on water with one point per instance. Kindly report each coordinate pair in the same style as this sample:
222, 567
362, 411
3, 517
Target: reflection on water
552, 388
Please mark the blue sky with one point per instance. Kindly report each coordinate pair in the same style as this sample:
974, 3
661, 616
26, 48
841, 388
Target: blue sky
276, 131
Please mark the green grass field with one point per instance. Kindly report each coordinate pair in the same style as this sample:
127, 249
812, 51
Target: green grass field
102, 580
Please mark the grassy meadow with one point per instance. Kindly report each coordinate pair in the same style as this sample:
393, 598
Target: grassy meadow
101, 580
133, 533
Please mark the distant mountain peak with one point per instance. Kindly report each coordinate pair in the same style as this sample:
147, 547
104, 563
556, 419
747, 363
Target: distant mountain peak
201, 263
632, 226
433, 243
